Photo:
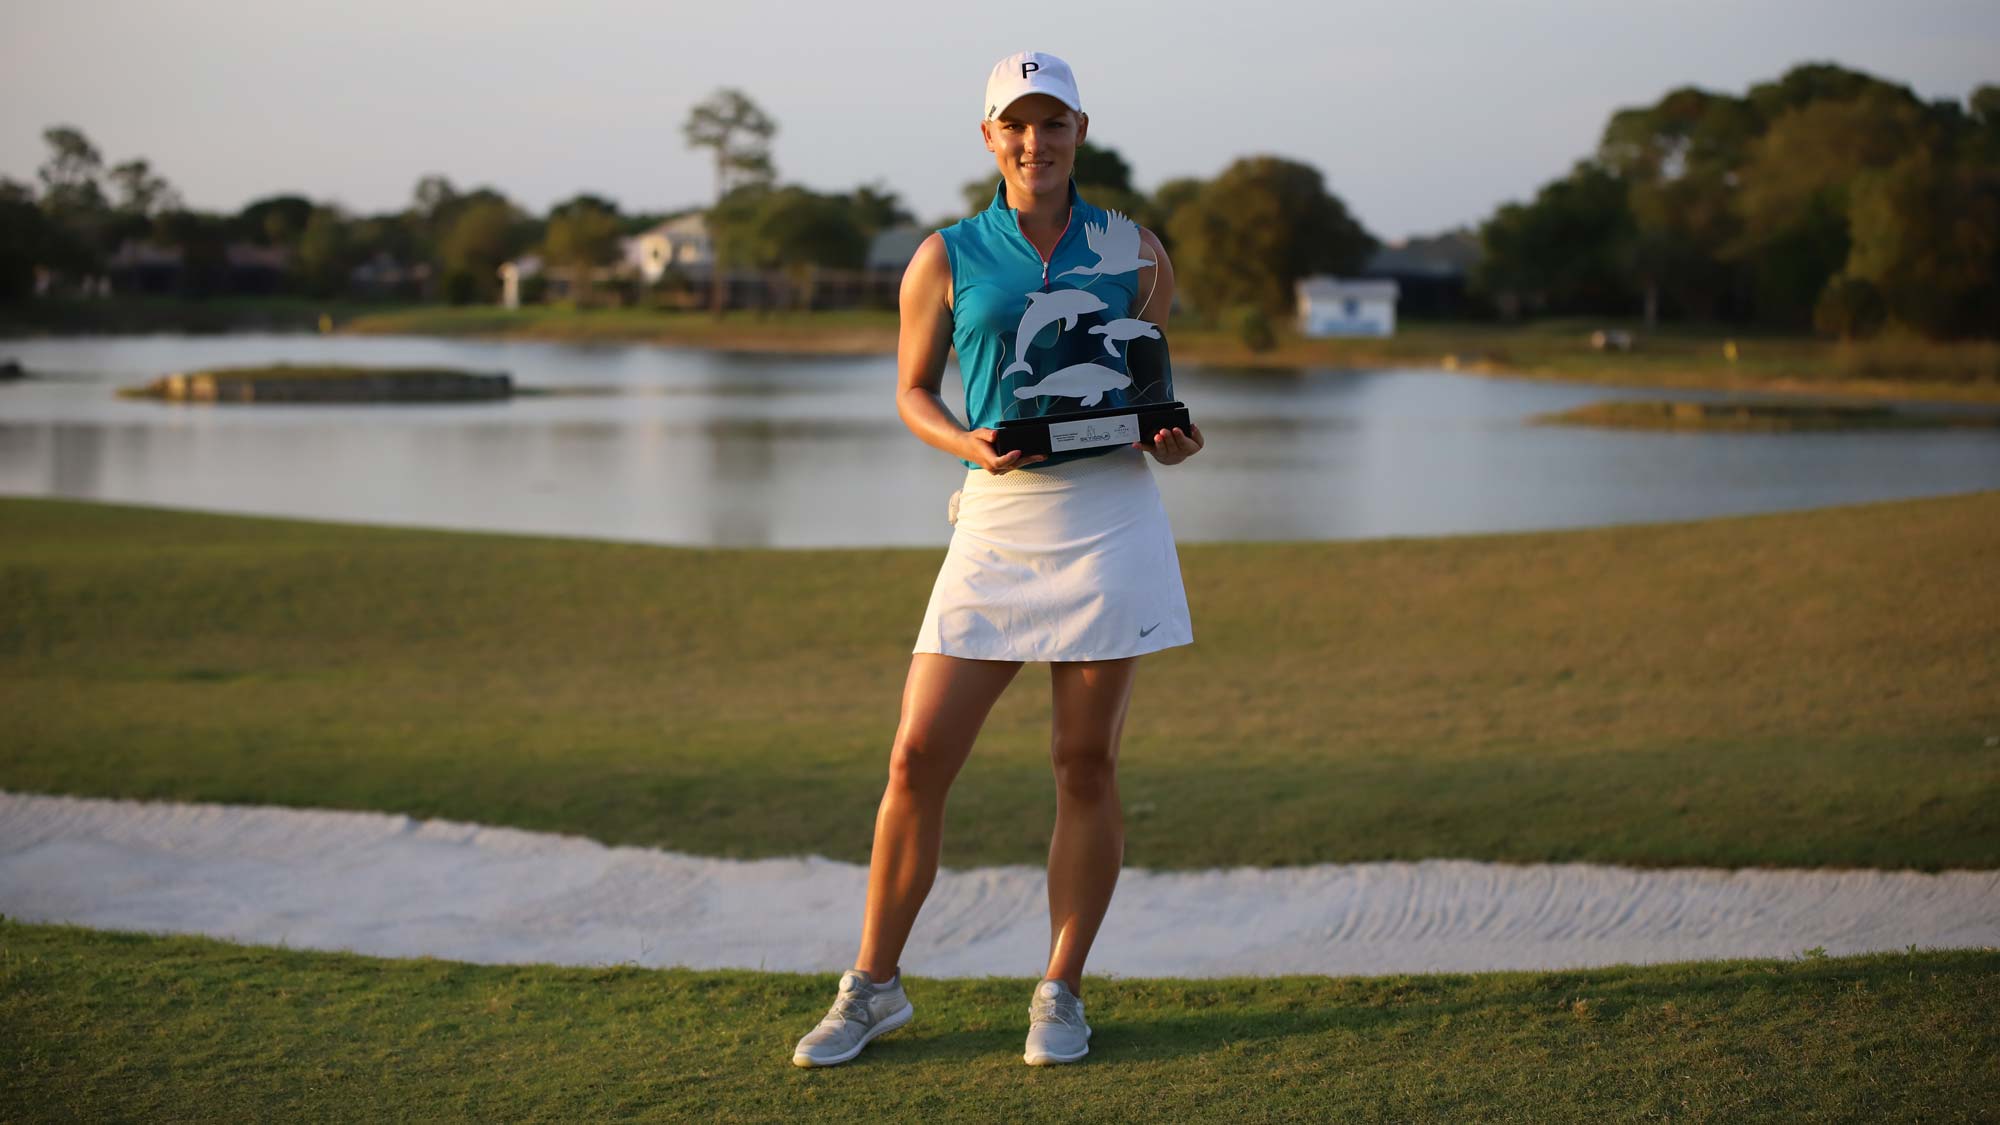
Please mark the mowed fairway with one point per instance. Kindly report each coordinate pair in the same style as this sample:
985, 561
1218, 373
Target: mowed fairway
1807, 689
1811, 689
117, 1026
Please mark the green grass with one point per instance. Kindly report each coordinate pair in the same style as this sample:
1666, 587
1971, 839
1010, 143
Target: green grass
843, 332
109, 1026
1803, 689
67, 315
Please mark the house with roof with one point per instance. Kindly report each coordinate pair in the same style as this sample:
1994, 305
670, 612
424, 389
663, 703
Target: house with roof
675, 260
245, 268
1432, 273
680, 244
1346, 306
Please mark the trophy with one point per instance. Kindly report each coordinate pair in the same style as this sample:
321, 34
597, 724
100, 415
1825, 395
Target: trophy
1117, 372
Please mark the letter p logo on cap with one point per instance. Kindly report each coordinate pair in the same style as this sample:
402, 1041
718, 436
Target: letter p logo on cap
1029, 72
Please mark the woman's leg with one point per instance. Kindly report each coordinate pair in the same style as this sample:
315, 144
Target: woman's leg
945, 700
1089, 842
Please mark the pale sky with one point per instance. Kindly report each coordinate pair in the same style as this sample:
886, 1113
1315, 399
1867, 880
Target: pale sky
1422, 114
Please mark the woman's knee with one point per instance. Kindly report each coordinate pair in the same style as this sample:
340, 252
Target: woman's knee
919, 766
1086, 765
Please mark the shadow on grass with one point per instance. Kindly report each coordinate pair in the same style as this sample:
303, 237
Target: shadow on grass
1137, 1025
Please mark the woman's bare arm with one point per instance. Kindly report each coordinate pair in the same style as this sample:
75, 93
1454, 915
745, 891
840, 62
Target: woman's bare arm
922, 342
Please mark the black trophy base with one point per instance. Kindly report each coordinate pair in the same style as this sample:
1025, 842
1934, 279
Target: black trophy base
1088, 429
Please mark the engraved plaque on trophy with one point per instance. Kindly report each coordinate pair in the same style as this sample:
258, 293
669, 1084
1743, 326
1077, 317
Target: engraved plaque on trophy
1149, 409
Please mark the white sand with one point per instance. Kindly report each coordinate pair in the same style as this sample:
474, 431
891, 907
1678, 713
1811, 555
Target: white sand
393, 886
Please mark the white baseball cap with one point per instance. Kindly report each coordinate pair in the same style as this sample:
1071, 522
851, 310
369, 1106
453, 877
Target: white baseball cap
1029, 72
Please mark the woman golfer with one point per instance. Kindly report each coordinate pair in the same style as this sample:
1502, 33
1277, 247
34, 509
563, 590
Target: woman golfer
1065, 558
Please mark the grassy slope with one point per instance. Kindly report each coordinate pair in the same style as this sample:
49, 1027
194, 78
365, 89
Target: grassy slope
104, 1026
1801, 689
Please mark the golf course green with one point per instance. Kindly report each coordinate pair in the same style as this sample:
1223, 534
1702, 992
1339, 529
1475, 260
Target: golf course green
1802, 690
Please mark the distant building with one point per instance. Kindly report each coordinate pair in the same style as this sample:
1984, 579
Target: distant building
673, 265
245, 269
1336, 306
890, 250
385, 276
143, 267
678, 244
1431, 274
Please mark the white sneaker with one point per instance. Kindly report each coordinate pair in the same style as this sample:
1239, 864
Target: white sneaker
863, 1010
1056, 1031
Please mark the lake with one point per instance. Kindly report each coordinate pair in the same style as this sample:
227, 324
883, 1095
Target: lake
703, 448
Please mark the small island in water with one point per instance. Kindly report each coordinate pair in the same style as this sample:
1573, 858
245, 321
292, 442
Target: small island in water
325, 383
1762, 417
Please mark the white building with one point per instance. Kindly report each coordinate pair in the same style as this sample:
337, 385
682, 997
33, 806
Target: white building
1336, 306
680, 244
675, 244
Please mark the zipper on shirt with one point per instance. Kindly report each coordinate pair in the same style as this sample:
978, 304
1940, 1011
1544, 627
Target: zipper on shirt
1067, 218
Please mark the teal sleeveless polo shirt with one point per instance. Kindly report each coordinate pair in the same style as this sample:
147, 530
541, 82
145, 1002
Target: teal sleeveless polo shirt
1022, 326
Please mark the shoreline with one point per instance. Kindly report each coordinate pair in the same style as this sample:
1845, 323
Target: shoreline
1427, 347
1689, 357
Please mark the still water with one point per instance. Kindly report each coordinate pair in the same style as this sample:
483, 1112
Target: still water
690, 447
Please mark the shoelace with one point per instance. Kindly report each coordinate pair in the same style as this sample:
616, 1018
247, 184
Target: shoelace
849, 1006
1055, 1011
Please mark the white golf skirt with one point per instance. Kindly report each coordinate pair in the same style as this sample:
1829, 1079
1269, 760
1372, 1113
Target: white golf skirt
1072, 561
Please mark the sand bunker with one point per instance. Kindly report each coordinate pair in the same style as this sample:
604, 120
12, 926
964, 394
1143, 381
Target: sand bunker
391, 885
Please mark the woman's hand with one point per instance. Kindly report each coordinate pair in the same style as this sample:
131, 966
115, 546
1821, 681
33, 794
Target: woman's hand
979, 448
1171, 447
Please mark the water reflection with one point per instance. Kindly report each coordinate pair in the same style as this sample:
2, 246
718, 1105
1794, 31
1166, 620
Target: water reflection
684, 446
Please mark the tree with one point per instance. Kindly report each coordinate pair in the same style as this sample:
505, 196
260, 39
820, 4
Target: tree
874, 208
739, 135
274, 220
203, 241
1167, 201
142, 193
74, 202
1101, 176
1984, 109
1565, 251
431, 196
1796, 180
793, 226
482, 237
1677, 160
1102, 166
1850, 308
1926, 233
791, 229
25, 239
582, 235
1256, 229
69, 176
325, 253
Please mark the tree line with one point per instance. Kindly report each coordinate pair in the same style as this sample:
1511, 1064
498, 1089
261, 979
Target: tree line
1239, 240
1825, 198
